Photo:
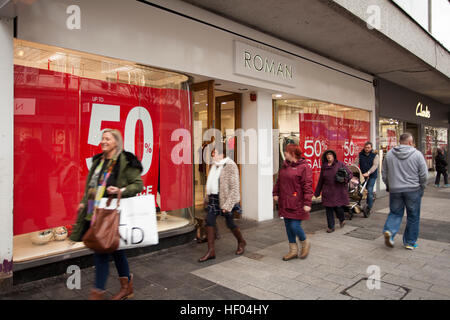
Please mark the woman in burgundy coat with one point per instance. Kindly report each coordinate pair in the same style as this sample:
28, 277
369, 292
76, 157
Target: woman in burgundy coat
334, 193
293, 191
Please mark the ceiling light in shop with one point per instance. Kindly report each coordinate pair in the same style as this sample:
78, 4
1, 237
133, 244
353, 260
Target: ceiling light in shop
242, 89
278, 95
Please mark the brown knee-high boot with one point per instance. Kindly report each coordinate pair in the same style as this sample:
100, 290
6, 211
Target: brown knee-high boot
241, 242
210, 254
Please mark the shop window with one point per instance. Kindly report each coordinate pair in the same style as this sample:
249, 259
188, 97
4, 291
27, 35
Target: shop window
390, 131
434, 138
317, 126
63, 99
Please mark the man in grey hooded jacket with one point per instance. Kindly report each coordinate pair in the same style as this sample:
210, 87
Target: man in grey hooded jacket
405, 174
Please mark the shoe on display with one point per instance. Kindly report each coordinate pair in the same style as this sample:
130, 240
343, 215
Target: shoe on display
411, 247
388, 240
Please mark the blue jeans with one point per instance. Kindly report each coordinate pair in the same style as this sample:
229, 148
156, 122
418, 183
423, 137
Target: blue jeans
101, 261
370, 186
294, 229
397, 204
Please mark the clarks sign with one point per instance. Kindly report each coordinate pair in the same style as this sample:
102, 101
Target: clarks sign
421, 112
264, 65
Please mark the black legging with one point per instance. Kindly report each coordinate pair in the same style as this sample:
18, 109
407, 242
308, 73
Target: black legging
211, 220
438, 177
330, 215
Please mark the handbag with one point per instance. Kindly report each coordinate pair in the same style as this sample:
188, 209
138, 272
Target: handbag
342, 175
103, 234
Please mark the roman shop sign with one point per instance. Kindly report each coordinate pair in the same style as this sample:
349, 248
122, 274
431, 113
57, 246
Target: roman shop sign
264, 65
421, 112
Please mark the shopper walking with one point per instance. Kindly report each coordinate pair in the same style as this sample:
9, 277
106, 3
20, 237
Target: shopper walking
293, 191
222, 189
122, 171
368, 161
333, 184
405, 174
441, 168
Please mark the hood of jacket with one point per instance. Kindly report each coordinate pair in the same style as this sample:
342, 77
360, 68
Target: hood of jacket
362, 152
130, 158
287, 163
324, 156
403, 152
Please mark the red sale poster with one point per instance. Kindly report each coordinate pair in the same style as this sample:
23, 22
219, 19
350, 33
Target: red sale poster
58, 123
320, 132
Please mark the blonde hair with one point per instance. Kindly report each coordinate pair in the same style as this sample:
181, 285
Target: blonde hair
117, 136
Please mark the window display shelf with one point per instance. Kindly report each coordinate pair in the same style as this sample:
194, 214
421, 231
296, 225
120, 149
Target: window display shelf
25, 250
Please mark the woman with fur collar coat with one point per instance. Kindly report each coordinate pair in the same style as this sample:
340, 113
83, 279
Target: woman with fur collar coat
222, 189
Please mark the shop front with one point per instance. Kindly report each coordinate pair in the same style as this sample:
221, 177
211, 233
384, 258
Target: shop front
402, 110
164, 88
318, 126
63, 99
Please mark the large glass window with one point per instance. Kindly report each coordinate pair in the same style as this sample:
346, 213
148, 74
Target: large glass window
317, 126
389, 132
63, 101
434, 138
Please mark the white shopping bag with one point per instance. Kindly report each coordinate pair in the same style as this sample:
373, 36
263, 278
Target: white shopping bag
138, 226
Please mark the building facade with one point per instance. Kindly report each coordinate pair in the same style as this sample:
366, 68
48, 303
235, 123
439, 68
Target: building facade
402, 110
163, 76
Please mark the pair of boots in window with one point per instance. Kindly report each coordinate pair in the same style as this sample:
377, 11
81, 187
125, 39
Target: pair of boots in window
210, 235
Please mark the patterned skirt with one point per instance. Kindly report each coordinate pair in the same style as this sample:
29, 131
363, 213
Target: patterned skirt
214, 206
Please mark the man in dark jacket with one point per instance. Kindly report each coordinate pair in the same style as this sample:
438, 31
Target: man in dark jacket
368, 162
441, 168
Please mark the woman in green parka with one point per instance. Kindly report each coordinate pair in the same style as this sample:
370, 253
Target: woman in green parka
112, 170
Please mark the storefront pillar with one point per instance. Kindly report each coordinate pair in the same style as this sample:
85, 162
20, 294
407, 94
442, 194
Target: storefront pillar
257, 171
6, 151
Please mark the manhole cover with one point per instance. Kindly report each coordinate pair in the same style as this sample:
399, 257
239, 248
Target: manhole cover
385, 290
364, 233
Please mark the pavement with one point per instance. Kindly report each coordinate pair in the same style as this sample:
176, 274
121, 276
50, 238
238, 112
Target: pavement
352, 263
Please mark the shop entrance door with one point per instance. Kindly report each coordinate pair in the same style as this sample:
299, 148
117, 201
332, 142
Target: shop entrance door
413, 128
212, 109
228, 119
203, 107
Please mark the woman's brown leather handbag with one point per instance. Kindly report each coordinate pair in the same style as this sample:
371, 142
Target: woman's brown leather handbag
103, 234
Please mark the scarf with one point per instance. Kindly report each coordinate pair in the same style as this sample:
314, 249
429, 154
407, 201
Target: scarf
97, 184
212, 184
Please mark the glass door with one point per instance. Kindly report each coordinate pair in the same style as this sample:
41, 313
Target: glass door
228, 120
203, 106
